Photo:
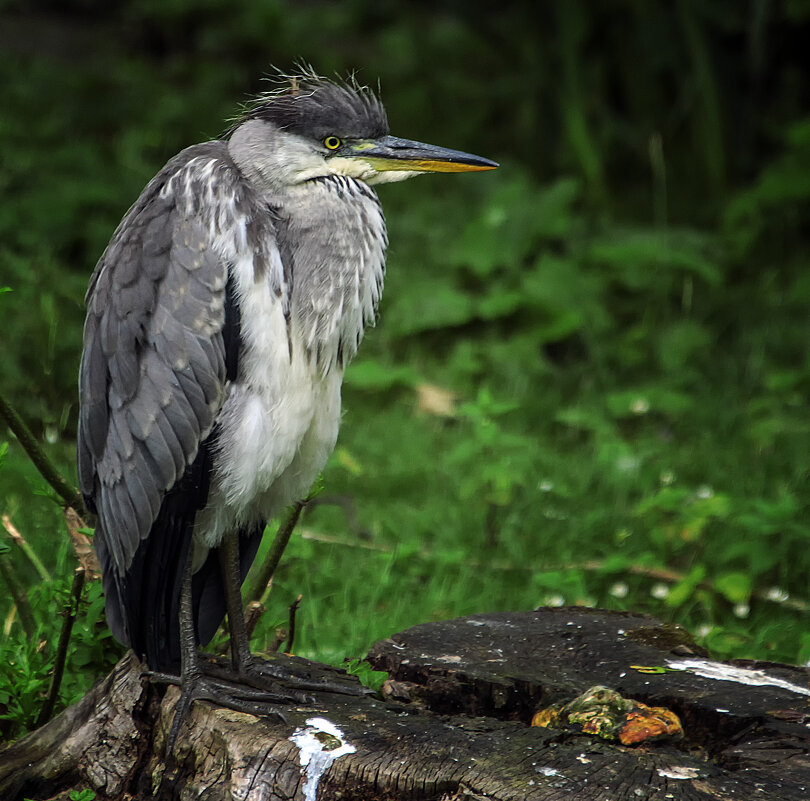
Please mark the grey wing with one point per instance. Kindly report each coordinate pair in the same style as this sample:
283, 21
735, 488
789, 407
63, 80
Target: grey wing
153, 367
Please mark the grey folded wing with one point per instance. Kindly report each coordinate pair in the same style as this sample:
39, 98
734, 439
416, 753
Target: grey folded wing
153, 370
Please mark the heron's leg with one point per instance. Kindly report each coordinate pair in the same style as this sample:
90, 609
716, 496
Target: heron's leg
197, 685
190, 672
241, 657
249, 669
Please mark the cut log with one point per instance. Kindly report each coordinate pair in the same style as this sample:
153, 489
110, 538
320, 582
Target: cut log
453, 724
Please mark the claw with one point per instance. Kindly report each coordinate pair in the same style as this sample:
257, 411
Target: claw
257, 702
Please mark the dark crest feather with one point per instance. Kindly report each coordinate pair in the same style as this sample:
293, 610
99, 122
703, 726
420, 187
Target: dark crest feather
310, 105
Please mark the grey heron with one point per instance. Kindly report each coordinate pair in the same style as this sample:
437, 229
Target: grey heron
220, 320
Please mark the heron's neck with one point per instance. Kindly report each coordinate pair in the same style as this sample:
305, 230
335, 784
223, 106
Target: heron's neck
271, 159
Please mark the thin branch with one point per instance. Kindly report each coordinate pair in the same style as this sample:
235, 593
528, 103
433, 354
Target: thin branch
9, 620
9, 575
265, 596
45, 466
253, 611
24, 546
268, 567
61, 650
82, 545
278, 641
291, 636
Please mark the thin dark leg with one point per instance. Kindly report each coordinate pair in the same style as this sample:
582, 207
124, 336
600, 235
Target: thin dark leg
198, 685
241, 658
190, 672
247, 669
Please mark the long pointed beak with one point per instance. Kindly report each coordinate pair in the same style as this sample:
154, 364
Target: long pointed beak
393, 153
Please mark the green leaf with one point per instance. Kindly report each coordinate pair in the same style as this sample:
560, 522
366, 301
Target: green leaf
82, 795
685, 588
644, 258
735, 587
444, 306
373, 679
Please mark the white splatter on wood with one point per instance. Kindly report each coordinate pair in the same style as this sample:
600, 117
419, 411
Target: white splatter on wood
320, 744
678, 772
720, 672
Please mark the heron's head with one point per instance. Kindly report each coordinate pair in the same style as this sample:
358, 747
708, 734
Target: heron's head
315, 127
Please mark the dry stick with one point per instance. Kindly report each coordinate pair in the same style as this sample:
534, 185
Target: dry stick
253, 611
46, 468
9, 621
82, 545
268, 567
61, 649
27, 620
23, 545
278, 641
291, 635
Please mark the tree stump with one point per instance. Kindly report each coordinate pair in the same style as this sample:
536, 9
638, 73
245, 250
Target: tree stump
453, 723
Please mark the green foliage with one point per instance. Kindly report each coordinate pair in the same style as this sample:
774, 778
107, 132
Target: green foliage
26, 657
373, 679
612, 327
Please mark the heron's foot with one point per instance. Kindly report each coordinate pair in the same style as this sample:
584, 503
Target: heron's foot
263, 675
224, 692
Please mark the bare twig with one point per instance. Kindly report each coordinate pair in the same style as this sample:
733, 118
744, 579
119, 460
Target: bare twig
82, 545
268, 567
291, 636
8, 622
253, 611
23, 545
46, 468
278, 640
9, 575
61, 650
265, 596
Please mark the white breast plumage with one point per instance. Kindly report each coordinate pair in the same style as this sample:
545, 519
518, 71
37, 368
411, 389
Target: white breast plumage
280, 420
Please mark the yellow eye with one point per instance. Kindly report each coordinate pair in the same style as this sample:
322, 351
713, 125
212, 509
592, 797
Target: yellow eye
332, 142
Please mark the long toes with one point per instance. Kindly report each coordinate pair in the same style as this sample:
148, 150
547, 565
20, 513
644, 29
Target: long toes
258, 702
242, 687
250, 682
157, 677
304, 682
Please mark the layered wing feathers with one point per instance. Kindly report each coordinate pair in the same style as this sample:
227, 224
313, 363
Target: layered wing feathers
154, 365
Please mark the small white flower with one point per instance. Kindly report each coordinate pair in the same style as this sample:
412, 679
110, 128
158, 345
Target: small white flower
627, 464
667, 477
659, 591
705, 491
640, 406
555, 600
742, 610
546, 485
777, 594
704, 629
619, 589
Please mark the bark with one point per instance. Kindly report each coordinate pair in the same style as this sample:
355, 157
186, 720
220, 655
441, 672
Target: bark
453, 724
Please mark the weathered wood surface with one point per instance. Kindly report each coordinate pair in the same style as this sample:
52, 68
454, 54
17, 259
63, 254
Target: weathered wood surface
473, 685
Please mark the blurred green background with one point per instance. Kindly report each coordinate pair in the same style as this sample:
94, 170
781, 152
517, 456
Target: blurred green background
588, 382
